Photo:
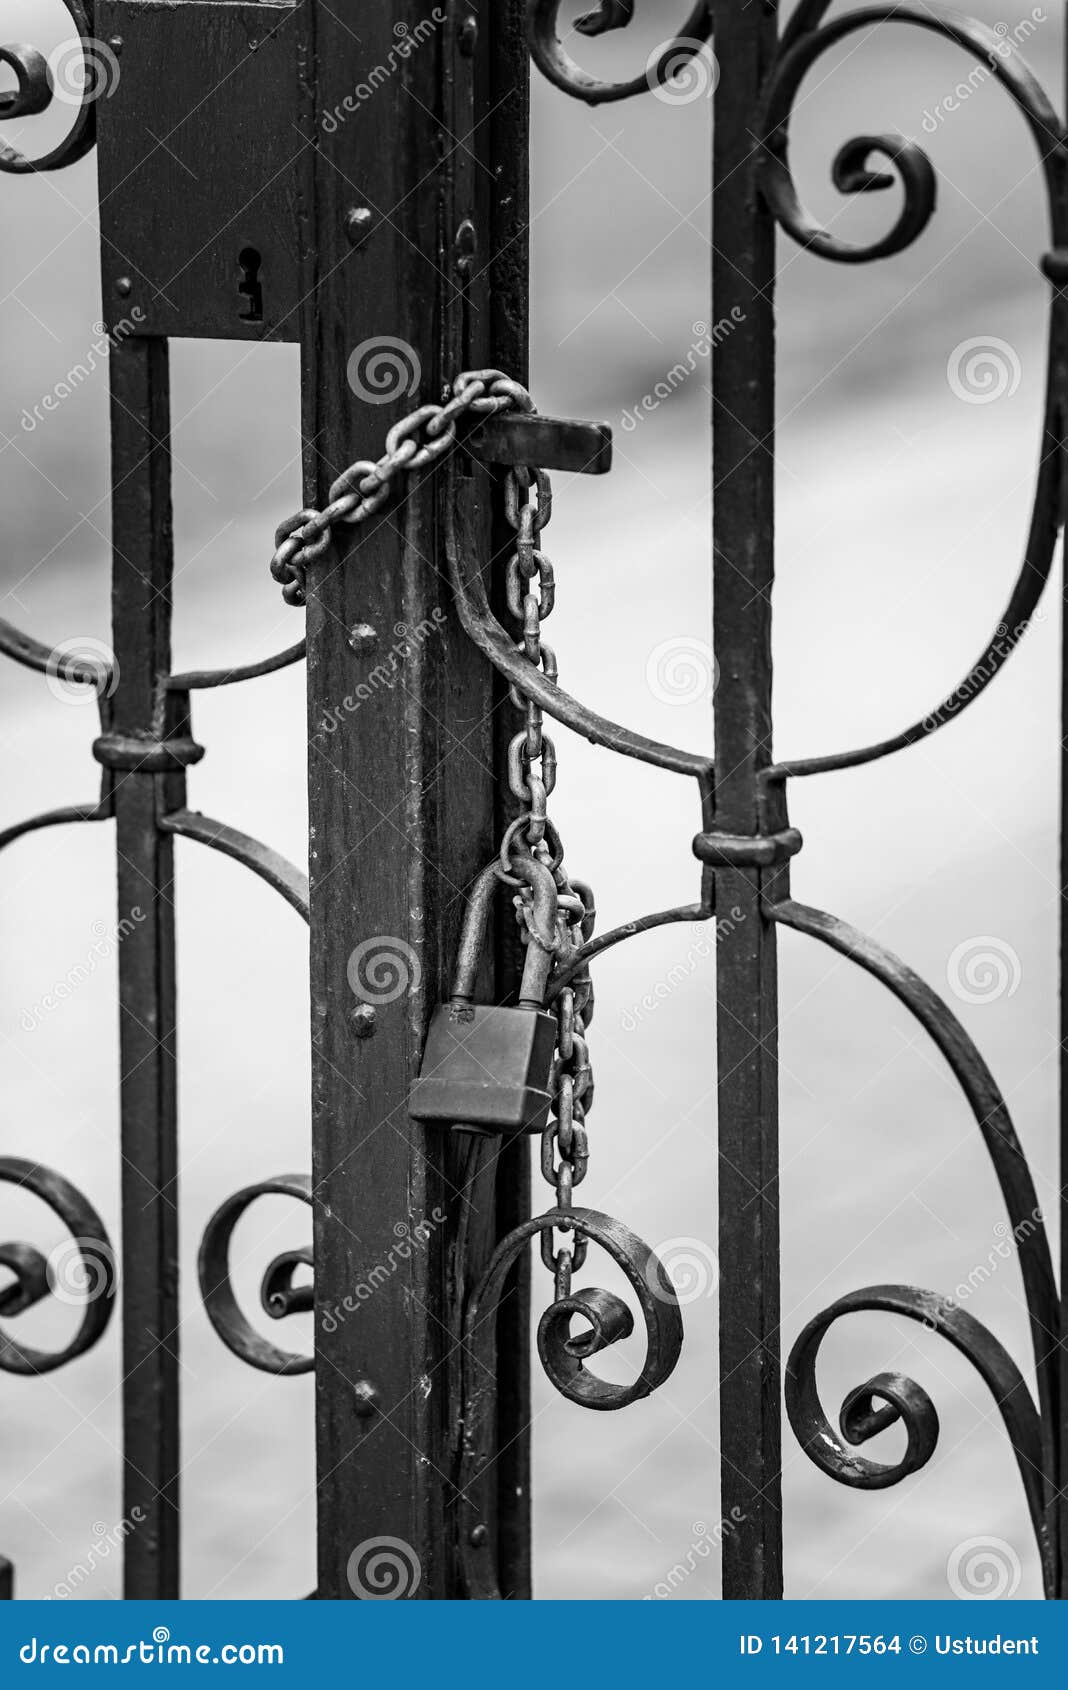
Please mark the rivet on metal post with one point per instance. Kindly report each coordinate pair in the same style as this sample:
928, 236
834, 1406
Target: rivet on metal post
363, 1021
365, 1399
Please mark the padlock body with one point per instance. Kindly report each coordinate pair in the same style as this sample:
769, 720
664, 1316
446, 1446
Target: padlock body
487, 1067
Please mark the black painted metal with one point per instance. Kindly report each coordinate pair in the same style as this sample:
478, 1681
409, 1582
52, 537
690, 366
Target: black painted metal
423, 1405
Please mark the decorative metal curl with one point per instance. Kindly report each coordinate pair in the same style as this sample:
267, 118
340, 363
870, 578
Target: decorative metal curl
563, 1356
890, 1397
988, 1107
486, 632
86, 1274
278, 872
34, 94
33, 91
802, 44
278, 1294
913, 167
548, 53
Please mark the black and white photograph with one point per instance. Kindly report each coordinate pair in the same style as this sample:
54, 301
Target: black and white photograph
531, 874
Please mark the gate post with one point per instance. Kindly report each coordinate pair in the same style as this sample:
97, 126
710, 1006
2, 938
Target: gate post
414, 123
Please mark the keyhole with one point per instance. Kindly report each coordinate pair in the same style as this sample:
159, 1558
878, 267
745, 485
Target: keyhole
250, 287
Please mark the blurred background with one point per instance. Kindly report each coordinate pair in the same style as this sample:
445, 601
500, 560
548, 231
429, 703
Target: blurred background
904, 491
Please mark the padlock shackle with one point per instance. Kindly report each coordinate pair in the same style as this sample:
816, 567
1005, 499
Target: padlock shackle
473, 933
543, 937
542, 944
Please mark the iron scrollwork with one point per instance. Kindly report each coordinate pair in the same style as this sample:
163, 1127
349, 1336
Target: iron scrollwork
890, 1397
886, 1398
33, 94
553, 60
278, 1294
608, 1320
82, 1272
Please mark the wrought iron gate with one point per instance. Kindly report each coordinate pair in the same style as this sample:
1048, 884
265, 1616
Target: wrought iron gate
402, 225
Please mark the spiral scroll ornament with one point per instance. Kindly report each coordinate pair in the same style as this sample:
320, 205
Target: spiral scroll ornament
84, 73
278, 1294
80, 1272
607, 1320
669, 70
891, 1397
854, 172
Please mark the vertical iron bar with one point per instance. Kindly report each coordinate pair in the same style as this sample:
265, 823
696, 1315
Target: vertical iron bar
141, 615
402, 790
506, 214
743, 420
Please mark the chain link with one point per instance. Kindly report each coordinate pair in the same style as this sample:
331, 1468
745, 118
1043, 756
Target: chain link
412, 444
530, 589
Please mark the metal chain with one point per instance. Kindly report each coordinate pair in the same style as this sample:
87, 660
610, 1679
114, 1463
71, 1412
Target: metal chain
359, 491
530, 588
362, 489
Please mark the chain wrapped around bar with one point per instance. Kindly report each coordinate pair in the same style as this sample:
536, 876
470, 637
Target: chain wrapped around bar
414, 443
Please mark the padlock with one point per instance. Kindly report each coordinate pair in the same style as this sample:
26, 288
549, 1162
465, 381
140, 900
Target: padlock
487, 1068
